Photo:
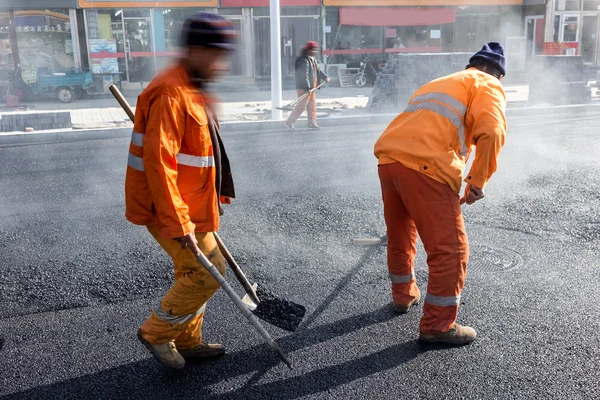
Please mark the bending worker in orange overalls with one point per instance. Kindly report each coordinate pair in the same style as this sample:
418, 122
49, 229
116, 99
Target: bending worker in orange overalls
422, 156
177, 176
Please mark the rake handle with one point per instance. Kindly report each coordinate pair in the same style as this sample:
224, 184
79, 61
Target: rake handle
239, 274
243, 308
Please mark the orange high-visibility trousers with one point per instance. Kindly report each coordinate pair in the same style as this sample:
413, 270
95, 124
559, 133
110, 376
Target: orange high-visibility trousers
310, 103
414, 203
180, 314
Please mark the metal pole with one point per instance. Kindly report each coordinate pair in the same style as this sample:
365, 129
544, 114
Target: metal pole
75, 39
12, 34
276, 95
549, 21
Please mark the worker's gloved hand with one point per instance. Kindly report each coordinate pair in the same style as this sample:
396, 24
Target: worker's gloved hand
328, 79
189, 241
472, 194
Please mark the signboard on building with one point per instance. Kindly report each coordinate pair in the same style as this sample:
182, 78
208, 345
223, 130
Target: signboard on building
146, 4
370, 3
105, 64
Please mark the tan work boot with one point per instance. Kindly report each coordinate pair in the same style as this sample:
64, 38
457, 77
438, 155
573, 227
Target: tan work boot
203, 350
457, 335
404, 308
166, 353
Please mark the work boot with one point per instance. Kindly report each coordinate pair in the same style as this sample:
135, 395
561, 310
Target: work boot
404, 308
314, 127
203, 350
458, 335
290, 126
166, 353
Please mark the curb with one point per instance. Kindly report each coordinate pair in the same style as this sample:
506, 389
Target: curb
62, 135
24, 138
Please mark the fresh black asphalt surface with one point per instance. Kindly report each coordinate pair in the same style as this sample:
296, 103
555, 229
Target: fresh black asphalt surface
76, 279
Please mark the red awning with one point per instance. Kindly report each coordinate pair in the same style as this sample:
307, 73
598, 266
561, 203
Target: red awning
397, 16
265, 3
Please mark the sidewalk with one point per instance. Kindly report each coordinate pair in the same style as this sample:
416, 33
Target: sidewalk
104, 112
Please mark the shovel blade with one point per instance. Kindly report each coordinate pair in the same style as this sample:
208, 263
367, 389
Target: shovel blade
282, 313
382, 241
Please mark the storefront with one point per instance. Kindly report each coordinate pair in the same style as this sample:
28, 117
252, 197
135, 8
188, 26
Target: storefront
360, 31
574, 29
534, 20
43, 42
300, 22
358, 28
130, 41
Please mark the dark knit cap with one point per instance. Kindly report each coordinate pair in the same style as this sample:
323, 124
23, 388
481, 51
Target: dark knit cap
493, 52
208, 30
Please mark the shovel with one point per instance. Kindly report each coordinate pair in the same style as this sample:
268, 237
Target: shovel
279, 312
239, 304
264, 304
382, 241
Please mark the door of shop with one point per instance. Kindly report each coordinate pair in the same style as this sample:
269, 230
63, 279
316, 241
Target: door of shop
589, 39
295, 32
139, 45
534, 32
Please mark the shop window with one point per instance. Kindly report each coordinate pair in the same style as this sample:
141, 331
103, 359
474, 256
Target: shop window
556, 29
591, 5
570, 28
44, 41
568, 5
137, 13
225, 11
106, 42
413, 36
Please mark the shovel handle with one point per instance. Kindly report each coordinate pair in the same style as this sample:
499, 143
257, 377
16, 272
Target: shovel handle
122, 101
239, 274
243, 308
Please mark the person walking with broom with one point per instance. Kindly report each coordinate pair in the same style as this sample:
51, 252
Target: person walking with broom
308, 78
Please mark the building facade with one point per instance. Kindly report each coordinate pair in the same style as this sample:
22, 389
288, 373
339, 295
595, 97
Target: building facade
132, 40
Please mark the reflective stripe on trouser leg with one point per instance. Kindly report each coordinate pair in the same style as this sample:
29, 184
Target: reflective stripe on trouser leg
447, 259
436, 212
180, 314
402, 238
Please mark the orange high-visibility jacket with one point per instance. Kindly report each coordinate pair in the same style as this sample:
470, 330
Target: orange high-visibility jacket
171, 174
443, 121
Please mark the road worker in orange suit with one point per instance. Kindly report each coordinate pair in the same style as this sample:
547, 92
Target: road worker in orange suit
178, 175
422, 156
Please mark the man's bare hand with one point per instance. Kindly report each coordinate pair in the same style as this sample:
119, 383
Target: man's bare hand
472, 194
189, 241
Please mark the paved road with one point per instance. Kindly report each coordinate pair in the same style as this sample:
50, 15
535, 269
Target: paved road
76, 279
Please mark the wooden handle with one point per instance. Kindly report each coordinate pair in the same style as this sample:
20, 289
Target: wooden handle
243, 308
239, 274
122, 101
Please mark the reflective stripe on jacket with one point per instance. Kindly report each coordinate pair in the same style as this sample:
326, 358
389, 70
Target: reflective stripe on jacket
443, 121
172, 169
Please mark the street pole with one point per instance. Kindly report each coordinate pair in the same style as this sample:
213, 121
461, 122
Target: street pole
12, 34
276, 95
